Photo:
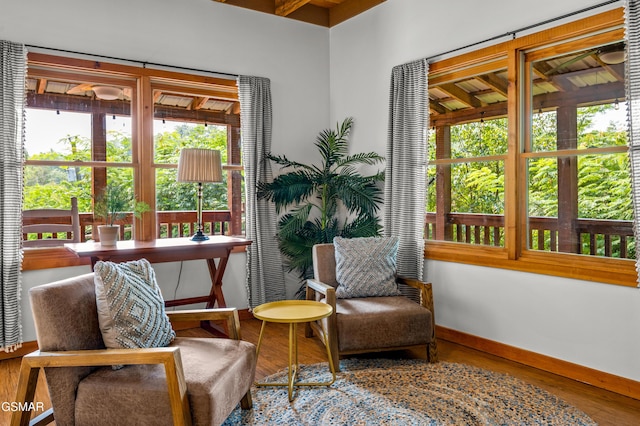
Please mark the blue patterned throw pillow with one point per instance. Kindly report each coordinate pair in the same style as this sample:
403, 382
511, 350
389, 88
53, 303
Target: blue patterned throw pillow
366, 267
130, 306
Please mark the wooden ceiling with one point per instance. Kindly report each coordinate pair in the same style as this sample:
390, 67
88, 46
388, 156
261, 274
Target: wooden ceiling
578, 78
320, 12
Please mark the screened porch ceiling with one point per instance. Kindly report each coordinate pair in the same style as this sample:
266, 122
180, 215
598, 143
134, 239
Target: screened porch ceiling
582, 78
587, 77
214, 104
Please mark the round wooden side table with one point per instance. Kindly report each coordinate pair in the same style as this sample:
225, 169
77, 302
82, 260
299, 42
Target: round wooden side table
293, 312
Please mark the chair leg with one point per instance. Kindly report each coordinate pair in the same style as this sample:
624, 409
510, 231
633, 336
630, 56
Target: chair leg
432, 351
245, 402
27, 382
335, 356
308, 331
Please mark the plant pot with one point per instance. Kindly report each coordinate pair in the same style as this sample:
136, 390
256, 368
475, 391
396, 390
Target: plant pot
108, 234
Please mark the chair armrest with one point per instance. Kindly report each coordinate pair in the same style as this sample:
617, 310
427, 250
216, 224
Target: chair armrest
230, 315
101, 357
320, 287
426, 290
329, 293
169, 357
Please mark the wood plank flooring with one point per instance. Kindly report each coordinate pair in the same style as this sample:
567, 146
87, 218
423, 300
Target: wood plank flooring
606, 408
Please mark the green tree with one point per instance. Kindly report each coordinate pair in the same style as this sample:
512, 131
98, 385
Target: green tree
173, 195
52, 186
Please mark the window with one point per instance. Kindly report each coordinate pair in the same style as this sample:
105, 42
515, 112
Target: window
578, 183
528, 165
91, 124
468, 146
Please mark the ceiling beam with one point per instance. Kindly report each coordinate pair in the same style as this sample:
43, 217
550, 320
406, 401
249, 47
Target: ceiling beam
311, 13
86, 104
286, 7
590, 95
436, 107
496, 83
461, 95
198, 102
41, 85
350, 8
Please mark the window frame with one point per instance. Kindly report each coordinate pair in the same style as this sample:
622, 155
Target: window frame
144, 81
606, 26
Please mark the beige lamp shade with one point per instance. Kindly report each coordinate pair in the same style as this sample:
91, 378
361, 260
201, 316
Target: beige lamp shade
199, 165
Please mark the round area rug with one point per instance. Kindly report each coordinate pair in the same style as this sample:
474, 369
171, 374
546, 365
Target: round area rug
407, 392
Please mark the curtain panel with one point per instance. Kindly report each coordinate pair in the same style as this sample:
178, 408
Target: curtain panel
13, 63
632, 86
265, 274
405, 178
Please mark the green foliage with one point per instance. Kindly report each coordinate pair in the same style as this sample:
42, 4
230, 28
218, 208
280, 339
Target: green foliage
172, 195
478, 186
114, 203
314, 196
603, 181
53, 186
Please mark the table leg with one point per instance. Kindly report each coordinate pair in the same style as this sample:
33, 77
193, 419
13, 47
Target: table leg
260, 339
292, 367
216, 273
294, 364
215, 294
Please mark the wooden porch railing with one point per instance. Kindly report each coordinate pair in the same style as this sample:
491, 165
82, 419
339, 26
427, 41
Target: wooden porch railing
598, 237
170, 224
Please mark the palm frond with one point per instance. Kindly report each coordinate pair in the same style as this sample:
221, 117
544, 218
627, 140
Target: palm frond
325, 234
296, 248
292, 223
378, 177
359, 194
364, 226
284, 162
333, 144
287, 189
362, 158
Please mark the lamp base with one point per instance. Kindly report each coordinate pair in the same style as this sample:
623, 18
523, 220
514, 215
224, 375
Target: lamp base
199, 236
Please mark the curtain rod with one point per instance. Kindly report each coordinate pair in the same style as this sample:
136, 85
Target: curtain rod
528, 27
143, 63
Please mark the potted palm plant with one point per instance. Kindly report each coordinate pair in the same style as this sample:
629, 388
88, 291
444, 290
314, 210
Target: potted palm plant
112, 206
316, 195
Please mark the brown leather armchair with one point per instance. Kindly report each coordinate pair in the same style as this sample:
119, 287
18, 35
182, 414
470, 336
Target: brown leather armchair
370, 324
193, 380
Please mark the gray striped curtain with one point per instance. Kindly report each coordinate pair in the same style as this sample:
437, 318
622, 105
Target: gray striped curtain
13, 62
632, 85
405, 179
265, 274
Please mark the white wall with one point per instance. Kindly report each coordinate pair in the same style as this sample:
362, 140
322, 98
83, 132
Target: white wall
591, 324
199, 34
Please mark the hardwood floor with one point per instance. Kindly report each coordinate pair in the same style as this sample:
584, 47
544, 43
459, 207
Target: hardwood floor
606, 408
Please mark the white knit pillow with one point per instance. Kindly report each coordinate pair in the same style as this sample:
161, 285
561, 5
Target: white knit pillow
131, 310
366, 267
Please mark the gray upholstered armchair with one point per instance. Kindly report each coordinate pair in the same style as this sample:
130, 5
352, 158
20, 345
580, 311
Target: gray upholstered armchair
370, 324
193, 380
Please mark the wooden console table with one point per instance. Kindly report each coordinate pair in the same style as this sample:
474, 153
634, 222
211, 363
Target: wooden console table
171, 250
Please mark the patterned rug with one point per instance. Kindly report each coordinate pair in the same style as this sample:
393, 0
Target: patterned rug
408, 392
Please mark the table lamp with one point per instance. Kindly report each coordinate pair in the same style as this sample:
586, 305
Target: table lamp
199, 165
